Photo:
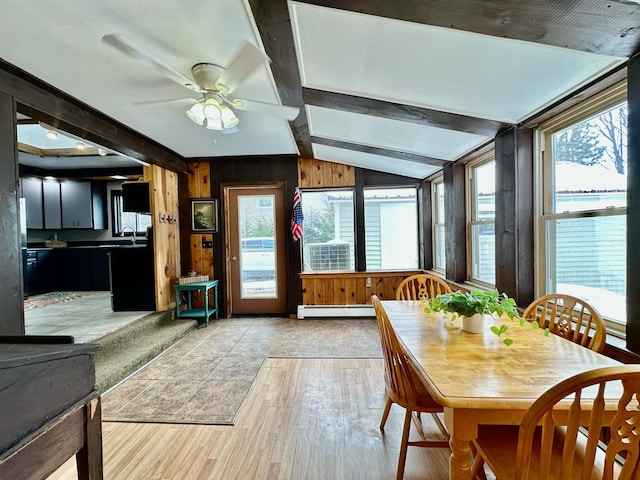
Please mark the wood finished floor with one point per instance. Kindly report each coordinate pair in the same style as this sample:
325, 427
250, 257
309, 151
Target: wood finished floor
305, 419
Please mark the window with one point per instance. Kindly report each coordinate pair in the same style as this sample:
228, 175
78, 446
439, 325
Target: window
438, 231
391, 228
328, 240
584, 185
125, 223
482, 187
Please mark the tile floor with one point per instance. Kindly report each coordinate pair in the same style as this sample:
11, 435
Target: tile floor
86, 318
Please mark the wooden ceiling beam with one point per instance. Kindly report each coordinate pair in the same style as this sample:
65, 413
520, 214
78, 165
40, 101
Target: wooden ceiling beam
404, 113
274, 24
410, 157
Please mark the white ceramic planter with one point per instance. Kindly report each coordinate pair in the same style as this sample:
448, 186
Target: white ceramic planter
473, 324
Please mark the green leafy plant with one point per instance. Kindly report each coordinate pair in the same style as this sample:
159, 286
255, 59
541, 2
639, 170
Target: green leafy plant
481, 302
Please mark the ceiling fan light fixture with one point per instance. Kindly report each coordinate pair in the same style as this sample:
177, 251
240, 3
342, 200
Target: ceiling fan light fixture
196, 113
214, 124
229, 120
212, 110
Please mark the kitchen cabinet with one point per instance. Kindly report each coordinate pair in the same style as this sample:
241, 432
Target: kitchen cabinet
52, 204
68, 268
99, 264
72, 269
32, 193
68, 204
76, 201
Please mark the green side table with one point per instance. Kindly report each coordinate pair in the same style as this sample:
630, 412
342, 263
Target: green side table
203, 287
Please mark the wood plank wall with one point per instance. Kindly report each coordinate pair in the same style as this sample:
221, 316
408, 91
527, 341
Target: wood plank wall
166, 238
320, 174
199, 186
350, 288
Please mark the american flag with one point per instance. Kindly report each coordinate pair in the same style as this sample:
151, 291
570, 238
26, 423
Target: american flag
296, 216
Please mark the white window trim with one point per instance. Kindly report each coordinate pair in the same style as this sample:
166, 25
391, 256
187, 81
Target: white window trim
436, 221
470, 215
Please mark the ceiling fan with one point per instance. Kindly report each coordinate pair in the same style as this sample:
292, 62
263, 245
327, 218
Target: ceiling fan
214, 108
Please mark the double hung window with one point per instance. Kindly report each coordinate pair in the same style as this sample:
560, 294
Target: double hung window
481, 194
438, 232
584, 190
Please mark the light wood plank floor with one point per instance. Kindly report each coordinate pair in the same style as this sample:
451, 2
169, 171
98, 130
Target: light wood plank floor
305, 419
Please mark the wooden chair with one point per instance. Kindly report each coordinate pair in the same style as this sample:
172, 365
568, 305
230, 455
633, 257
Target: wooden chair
569, 317
540, 448
422, 285
403, 387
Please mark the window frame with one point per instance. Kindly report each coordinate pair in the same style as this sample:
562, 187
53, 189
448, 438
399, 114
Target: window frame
436, 222
472, 221
416, 191
545, 186
353, 260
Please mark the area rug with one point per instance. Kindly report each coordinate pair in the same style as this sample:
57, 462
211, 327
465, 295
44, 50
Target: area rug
206, 376
38, 301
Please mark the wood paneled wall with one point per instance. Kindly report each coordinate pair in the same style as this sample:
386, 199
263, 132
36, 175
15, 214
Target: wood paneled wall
350, 288
199, 186
317, 174
166, 239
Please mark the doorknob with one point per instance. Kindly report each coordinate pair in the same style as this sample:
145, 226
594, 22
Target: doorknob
234, 258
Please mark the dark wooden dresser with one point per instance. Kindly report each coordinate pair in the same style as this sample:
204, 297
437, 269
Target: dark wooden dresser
49, 408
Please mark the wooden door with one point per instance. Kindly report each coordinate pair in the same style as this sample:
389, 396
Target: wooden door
256, 264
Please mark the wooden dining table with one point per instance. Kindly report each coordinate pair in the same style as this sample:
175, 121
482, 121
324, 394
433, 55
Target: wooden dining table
476, 378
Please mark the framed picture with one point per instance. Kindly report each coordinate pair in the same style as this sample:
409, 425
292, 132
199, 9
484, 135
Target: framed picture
204, 215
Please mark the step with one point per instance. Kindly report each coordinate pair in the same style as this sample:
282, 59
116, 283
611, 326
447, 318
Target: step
125, 350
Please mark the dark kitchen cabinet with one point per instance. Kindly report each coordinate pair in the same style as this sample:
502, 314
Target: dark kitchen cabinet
38, 274
32, 193
99, 263
52, 204
69, 204
72, 269
83, 205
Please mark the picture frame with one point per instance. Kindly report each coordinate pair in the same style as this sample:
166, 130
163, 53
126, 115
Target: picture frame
204, 215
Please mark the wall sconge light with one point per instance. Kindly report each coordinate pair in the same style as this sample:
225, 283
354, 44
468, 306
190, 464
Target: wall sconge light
102, 152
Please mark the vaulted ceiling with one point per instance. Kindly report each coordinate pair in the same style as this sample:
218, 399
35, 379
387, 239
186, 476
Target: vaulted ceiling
399, 86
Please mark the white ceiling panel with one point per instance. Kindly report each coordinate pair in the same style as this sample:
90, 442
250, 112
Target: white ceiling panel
373, 162
391, 134
445, 69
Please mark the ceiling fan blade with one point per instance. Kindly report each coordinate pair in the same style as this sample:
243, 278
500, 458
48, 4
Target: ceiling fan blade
137, 53
283, 111
243, 64
167, 101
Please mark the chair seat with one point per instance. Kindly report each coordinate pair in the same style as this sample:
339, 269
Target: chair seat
500, 455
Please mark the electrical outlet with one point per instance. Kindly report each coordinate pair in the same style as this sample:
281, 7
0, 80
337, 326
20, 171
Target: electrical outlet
207, 244
368, 281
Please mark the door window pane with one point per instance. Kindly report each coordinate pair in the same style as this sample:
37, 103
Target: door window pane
328, 239
256, 221
391, 228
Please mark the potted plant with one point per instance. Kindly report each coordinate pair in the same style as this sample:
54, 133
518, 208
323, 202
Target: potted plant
473, 306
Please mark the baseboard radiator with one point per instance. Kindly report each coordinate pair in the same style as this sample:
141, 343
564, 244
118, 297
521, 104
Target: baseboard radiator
335, 311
